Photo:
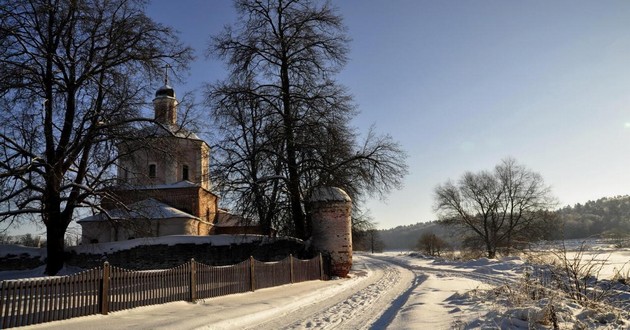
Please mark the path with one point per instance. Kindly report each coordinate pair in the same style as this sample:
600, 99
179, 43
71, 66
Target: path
356, 307
382, 293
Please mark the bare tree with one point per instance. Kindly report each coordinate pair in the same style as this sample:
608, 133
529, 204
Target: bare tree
248, 166
501, 207
431, 244
73, 78
291, 117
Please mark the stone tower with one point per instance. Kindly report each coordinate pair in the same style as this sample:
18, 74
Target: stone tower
330, 210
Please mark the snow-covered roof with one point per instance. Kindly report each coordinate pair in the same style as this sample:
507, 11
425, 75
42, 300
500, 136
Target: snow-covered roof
145, 209
329, 194
227, 219
180, 184
165, 130
165, 90
175, 185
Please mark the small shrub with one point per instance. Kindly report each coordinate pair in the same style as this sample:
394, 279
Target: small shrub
622, 275
432, 244
578, 275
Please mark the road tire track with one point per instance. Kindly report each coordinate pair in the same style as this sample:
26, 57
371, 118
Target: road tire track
358, 307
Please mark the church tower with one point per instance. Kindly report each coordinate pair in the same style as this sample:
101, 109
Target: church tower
165, 105
165, 153
164, 182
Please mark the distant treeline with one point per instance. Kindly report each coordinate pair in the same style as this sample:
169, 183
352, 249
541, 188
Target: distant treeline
607, 217
25, 240
405, 238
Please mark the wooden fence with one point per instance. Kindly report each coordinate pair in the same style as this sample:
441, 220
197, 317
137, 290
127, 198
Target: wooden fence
108, 288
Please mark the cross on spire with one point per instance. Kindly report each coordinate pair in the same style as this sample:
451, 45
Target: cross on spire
166, 67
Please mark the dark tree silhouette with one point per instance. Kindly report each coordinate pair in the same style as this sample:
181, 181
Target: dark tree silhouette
73, 77
284, 118
502, 207
431, 244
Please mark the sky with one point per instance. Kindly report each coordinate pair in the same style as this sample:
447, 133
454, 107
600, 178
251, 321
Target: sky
464, 84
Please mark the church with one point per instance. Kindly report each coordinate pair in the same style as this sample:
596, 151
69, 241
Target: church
163, 185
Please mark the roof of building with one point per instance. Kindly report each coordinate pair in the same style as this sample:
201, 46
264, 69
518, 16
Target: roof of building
145, 209
180, 184
329, 194
165, 130
227, 219
165, 90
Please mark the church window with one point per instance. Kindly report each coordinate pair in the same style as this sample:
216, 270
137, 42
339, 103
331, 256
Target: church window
152, 170
185, 172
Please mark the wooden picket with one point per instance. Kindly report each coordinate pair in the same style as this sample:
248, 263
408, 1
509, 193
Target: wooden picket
306, 270
32, 301
109, 289
268, 274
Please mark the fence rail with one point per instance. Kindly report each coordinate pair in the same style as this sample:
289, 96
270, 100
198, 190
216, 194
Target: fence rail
108, 288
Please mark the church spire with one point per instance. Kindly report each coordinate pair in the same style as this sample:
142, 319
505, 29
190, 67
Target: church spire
166, 67
165, 103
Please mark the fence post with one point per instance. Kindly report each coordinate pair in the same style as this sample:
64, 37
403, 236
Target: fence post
321, 267
252, 278
104, 296
292, 275
193, 280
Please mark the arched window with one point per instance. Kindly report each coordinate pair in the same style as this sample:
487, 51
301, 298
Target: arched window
152, 170
185, 172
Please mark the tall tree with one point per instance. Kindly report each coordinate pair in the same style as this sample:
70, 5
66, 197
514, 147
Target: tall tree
501, 207
73, 76
283, 55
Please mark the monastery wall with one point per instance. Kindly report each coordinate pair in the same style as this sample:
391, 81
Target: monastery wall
165, 256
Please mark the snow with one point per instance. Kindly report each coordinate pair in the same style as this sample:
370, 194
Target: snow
176, 185
36, 273
385, 291
145, 209
329, 194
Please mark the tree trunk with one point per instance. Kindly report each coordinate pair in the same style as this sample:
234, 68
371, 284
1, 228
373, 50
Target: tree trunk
55, 232
492, 253
56, 224
299, 218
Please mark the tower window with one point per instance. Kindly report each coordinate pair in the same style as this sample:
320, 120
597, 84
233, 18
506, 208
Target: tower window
152, 170
185, 172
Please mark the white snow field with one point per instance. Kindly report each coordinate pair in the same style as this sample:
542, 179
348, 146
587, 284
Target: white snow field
384, 291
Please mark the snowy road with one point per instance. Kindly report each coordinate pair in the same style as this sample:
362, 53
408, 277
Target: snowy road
382, 293
359, 306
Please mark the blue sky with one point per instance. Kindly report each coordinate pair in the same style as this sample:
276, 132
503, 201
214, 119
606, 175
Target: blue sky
463, 84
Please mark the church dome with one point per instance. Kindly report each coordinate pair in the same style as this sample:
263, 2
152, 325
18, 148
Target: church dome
165, 90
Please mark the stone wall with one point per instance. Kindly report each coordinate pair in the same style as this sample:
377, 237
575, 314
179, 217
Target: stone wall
165, 256
20, 262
